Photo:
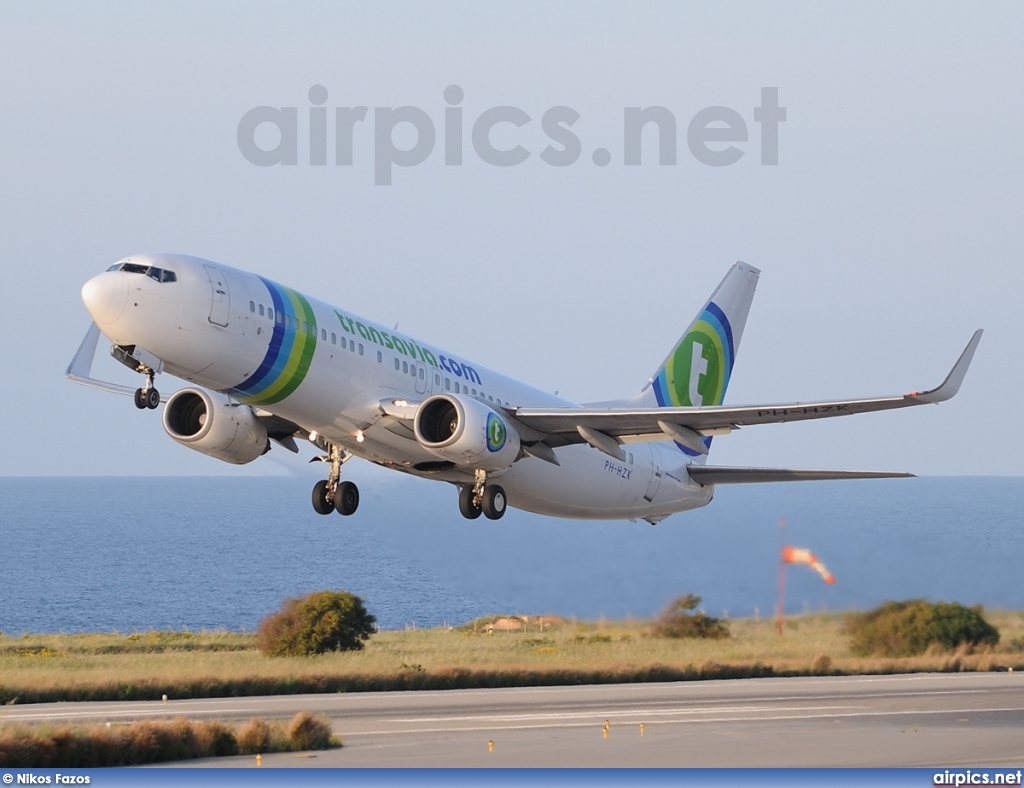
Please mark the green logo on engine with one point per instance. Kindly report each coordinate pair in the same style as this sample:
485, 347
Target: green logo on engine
495, 433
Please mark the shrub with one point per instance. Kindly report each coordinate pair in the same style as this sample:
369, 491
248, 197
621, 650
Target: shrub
254, 737
314, 624
676, 621
306, 732
909, 627
821, 665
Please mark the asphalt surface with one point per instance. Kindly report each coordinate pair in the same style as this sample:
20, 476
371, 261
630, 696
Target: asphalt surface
922, 720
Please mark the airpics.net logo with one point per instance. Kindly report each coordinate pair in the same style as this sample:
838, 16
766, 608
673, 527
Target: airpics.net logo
715, 136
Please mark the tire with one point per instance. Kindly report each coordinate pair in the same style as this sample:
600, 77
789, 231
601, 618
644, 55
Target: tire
346, 498
320, 503
494, 502
469, 511
140, 399
152, 399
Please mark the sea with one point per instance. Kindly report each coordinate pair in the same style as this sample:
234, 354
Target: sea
131, 554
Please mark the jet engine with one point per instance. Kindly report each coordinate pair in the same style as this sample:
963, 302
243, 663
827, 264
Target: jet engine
210, 424
466, 432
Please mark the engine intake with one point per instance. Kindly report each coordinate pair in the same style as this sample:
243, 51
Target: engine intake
466, 432
210, 424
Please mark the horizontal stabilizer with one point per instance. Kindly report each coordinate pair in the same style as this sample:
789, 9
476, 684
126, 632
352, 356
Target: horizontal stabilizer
716, 474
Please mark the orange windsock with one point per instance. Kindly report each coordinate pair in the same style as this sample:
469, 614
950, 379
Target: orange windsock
800, 555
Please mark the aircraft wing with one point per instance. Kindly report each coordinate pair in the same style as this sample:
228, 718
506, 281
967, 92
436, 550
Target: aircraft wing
715, 474
604, 428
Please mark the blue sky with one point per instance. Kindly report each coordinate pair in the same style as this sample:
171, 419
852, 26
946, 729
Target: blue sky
890, 229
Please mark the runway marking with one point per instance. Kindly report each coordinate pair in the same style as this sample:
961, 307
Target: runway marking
156, 709
593, 714
768, 718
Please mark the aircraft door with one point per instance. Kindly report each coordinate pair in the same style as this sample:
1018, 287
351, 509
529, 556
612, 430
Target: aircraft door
220, 296
422, 379
655, 483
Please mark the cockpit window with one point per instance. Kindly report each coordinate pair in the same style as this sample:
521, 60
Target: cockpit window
159, 274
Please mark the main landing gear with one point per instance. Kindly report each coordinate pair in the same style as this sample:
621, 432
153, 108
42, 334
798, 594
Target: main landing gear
147, 396
481, 497
332, 494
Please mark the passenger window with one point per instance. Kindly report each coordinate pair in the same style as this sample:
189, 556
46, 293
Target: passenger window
252, 307
323, 334
360, 348
474, 392
489, 397
422, 376
380, 357
261, 310
437, 379
405, 367
334, 338
279, 318
397, 365
287, 320
447, 384
457, 389
351, 346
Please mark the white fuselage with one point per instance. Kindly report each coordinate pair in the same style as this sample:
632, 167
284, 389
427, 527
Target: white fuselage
213, 326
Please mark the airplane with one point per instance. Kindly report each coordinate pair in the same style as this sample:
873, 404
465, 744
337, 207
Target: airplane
269, 365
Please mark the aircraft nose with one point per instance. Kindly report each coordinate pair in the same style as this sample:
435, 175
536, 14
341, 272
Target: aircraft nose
105, 297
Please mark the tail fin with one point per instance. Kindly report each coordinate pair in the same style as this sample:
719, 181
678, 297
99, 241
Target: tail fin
698, 369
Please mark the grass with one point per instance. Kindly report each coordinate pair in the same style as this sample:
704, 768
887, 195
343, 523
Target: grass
37, 668
152, 741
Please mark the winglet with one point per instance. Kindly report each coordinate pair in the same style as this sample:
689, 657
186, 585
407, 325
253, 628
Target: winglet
951, 385
81, 364
80, 368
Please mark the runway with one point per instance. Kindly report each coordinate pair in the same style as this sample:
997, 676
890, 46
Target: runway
921, 720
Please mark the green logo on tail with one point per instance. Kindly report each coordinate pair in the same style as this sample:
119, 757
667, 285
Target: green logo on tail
696, 372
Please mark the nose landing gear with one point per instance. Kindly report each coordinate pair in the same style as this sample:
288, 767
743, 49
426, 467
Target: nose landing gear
148, 396
332, 494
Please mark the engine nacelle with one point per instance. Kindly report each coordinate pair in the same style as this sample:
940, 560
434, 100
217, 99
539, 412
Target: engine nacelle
210, 424
467, 432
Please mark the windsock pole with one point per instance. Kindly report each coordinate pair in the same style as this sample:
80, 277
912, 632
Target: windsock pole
782, 572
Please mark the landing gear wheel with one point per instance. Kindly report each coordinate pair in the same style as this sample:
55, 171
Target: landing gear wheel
152, 398
320, 502
346, 498
140, 399
469, 510
494, 502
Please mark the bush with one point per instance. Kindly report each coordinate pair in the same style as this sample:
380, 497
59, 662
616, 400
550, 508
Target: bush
676, 621
306, 732
908, 628
255, 737
314, 624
